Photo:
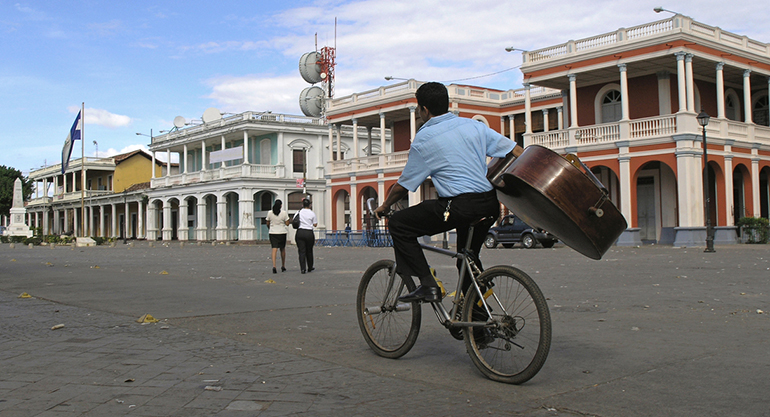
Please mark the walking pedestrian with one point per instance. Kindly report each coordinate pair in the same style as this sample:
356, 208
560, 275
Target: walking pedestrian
305, 237
277, 220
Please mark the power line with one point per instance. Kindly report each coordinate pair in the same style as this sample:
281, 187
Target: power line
481, 76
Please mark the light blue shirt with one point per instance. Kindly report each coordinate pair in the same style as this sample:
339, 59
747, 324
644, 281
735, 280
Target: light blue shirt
453, 151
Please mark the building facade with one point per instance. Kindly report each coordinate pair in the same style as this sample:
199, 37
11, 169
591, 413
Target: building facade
112, 201
626, 103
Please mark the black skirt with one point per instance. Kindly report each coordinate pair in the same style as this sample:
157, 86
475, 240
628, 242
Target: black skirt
278, 241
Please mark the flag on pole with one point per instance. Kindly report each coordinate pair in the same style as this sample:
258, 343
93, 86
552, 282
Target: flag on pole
66, 151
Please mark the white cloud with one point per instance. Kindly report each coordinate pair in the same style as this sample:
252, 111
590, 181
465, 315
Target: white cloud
102, 117
258, 93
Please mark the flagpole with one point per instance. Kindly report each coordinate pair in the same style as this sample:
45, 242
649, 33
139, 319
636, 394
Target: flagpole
83, 167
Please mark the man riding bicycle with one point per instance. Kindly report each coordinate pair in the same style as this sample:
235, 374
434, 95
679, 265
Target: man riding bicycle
452, 151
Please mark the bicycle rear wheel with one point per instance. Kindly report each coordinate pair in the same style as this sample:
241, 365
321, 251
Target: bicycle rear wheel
516, 346
389, 327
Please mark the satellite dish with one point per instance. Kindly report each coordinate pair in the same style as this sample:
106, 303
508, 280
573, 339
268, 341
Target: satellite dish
179, 122
210, 115
309, 67
311, 101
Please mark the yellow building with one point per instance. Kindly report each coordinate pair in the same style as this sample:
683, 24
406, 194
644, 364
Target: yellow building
113, 200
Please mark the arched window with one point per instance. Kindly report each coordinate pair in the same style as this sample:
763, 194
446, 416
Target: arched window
267, 201
761, 113
295, 200
611, 107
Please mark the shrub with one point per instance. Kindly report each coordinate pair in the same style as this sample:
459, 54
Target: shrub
755, 229
33, 240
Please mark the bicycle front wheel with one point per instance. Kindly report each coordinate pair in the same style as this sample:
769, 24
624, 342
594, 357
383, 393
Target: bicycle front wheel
515, 345
389, 327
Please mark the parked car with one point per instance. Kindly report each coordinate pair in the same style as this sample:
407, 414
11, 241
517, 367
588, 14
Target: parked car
513, 230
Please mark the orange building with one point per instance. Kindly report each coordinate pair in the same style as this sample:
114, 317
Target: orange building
626, 103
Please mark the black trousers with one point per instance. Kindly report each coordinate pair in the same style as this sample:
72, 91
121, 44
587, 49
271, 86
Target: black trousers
427, 218
305, 241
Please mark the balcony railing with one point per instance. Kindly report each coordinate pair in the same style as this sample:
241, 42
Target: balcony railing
675, 24
68, 197
237, 171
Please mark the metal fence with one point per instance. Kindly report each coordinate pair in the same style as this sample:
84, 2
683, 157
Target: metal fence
374, 237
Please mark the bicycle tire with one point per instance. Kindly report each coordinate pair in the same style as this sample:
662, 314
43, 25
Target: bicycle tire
515, 351
390, 333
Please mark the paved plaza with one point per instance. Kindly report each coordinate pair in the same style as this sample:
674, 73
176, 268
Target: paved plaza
645, 331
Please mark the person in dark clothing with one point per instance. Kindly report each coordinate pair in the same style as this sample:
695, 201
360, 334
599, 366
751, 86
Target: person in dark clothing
305, 237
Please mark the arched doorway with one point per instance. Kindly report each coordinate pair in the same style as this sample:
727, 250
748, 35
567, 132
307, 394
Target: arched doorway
341, 210
741, 177
656, 203
191, 222
232, 217
263, 203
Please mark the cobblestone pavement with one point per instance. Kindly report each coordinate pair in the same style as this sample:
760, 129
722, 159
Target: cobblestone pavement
645, 331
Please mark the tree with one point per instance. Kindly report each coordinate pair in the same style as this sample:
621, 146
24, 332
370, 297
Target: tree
8, 176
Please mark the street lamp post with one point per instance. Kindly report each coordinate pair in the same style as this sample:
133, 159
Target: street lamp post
703, 121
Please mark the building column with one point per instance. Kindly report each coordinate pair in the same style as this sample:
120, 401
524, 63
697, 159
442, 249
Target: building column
247, 229
201, 230
383, 146
370, 152
356, 222
755, 210
412, 122
573, 122
101, 221
167, 231
559, 117
681, 81
126, 221
512, 126
46, 229
181, 229
203, 156
747, 95
152, 227
339, 142
221, 229
546, 128
690, 83
355, 138
728, 197
153, 164
140, 232
183, 168
245, 147
720, 91
114, 222
528, 109
75, 222
331, 142
624, 91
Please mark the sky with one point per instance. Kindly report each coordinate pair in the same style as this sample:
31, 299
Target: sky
137, 65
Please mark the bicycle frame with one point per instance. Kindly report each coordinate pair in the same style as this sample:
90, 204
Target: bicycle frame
446, 317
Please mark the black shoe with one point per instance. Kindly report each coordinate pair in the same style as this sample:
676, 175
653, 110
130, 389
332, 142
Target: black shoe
283, 269
274, 271
310, 269
427, 294
303, 271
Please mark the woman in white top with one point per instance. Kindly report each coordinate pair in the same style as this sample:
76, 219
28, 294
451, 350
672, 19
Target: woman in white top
277, 220
305, 237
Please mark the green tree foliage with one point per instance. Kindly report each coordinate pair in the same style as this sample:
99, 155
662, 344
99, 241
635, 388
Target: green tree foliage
7, 177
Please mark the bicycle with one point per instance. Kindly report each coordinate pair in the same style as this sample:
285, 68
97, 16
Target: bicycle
503, 318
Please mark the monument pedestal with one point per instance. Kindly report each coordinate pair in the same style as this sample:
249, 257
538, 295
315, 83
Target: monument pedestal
17, 226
